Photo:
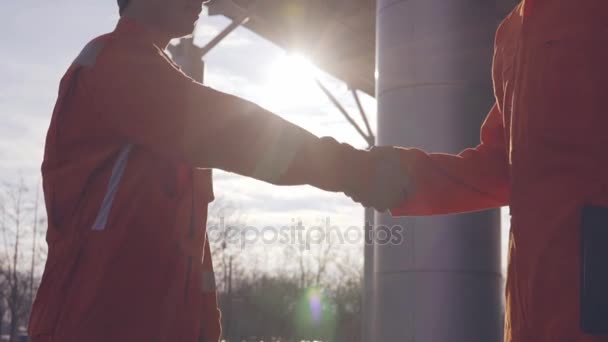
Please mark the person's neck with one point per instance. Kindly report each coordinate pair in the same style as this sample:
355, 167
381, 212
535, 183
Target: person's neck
161, 37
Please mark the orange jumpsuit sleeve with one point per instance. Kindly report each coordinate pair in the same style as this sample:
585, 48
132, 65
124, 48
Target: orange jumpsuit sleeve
211, 329
144, 99
475, 179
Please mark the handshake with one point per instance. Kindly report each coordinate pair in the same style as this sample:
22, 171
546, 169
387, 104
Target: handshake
375, 178
381, 182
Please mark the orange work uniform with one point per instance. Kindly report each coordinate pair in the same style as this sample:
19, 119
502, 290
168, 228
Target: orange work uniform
543, 151
127, 183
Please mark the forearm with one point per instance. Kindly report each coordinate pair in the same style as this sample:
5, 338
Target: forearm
266, 147
160, 108
475, 179
448, 184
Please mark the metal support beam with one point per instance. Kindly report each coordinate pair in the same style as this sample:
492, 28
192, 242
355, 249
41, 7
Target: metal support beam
371, 137
225, 32
186, 49
342, 110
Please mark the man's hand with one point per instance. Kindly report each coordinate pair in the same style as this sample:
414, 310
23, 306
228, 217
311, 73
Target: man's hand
388, 184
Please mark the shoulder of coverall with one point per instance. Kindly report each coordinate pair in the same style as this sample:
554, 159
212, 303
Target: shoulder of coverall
128, 38
502, 27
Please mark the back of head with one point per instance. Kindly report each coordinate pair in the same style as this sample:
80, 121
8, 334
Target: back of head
176, 18
122, 4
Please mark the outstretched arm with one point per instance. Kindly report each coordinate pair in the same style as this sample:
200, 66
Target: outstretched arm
475, 179
155, 105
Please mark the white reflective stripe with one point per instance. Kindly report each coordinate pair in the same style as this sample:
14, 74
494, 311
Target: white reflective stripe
208, 282
275, 162
117, 172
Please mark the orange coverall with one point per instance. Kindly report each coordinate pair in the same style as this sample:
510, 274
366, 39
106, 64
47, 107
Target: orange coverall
543, 151
127, 197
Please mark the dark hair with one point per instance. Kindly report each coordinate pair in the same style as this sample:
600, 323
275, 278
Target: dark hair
122, 4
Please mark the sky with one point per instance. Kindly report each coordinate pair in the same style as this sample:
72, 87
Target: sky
41, 38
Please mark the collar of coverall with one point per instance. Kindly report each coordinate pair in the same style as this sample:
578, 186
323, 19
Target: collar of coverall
131, 27
527, 7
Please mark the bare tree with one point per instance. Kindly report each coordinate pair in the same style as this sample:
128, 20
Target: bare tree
34, 241
311, 259
3, 288
17, 276
325, 254
13, 215
272, 305
224, 220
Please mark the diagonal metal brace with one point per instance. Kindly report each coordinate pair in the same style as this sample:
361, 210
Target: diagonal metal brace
371, 137
342, 110
225, 32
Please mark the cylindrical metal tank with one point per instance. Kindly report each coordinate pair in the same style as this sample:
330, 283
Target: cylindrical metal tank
443, 282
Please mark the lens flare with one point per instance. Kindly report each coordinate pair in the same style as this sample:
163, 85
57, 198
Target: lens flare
315, 304
315, 316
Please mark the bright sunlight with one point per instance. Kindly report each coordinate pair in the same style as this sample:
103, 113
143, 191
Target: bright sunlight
291, 83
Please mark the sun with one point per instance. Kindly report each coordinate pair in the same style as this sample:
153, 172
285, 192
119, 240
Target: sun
290, 83
296, 66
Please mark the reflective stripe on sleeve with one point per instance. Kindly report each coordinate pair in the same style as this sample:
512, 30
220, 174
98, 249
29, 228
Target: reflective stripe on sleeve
117, 173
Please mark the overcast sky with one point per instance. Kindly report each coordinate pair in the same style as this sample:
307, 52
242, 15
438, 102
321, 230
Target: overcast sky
41, 38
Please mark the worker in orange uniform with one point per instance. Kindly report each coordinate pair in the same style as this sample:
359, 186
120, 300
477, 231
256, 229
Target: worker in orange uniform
127, 181
543, 152
188, 57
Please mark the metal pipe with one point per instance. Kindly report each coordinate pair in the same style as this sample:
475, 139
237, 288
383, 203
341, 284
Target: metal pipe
443, 282
368, 275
